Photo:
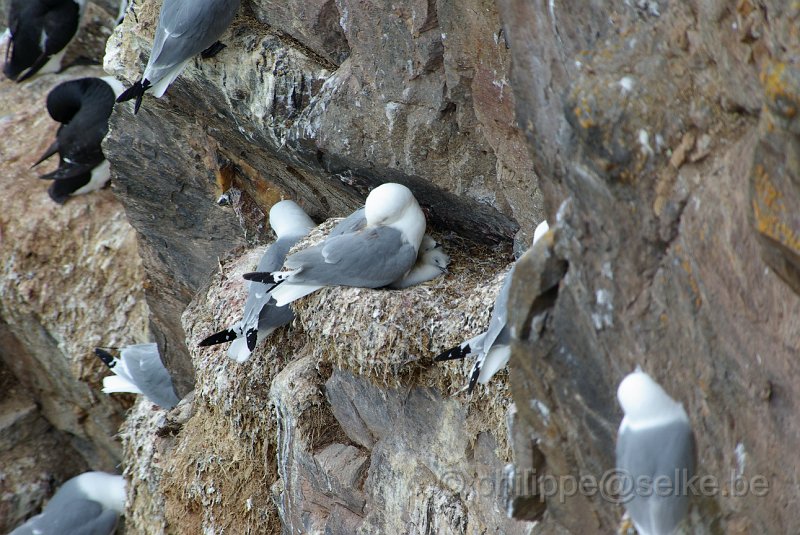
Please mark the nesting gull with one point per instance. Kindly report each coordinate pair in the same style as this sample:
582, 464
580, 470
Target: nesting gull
139, 370
261, 316
83, 107
432, 261
655, 455
185, 29
491, 347
40, 31
377, 254
86, 504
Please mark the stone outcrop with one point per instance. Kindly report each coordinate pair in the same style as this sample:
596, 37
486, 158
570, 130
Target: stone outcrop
672, 205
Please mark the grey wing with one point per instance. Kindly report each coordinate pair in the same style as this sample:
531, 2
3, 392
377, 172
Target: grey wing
352, 223
258, 295
369, 258
149, 374
272, 317
651, 456
497, 332
186, 28
73, 517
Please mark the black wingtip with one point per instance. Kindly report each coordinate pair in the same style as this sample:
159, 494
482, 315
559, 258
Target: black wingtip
252, 339
221, 337
136, 91
263, 277
105, 356
473, 378
454, 353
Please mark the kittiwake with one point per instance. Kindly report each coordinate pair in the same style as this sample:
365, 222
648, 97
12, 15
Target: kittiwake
491, 347
185, 29
655, 455
432, 261
40, 32
261, 316
83, 107
86, 504
377, 254
139, 370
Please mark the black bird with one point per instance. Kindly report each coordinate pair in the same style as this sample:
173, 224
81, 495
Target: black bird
83, 107
40, 32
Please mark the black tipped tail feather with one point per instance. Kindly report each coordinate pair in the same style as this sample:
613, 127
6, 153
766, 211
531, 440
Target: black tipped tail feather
228, 335
136, 91
458, 352
252, 339
263, 277
105, 356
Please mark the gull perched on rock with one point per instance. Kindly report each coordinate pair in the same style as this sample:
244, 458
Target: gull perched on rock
377, 254
185, 29
432, 261
86, 504
40, 31
655, 455
83, 107
139, 370
492, 346
261, 315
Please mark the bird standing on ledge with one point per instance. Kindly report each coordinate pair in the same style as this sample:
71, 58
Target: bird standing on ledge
185, 28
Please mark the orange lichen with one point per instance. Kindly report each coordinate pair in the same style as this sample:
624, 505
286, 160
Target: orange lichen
773, 78
768, 209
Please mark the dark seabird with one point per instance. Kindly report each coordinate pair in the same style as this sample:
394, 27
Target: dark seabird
40, 31
83, 107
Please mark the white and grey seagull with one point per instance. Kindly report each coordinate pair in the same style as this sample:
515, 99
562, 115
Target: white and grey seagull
432, 261
88, 504
491, 347
185, 29
655, 454
261, 316
374, 255
139, 370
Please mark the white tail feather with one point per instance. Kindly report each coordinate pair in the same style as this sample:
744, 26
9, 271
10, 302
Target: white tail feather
160, 87
495, 360
238, 350
288, 292
115, 383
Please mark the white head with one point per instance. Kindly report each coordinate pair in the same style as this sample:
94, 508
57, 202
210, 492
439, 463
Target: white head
541, 230
287, 219
644, 401
103, 488
393, 205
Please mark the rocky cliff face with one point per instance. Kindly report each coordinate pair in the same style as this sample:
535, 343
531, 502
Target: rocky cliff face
658, 138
